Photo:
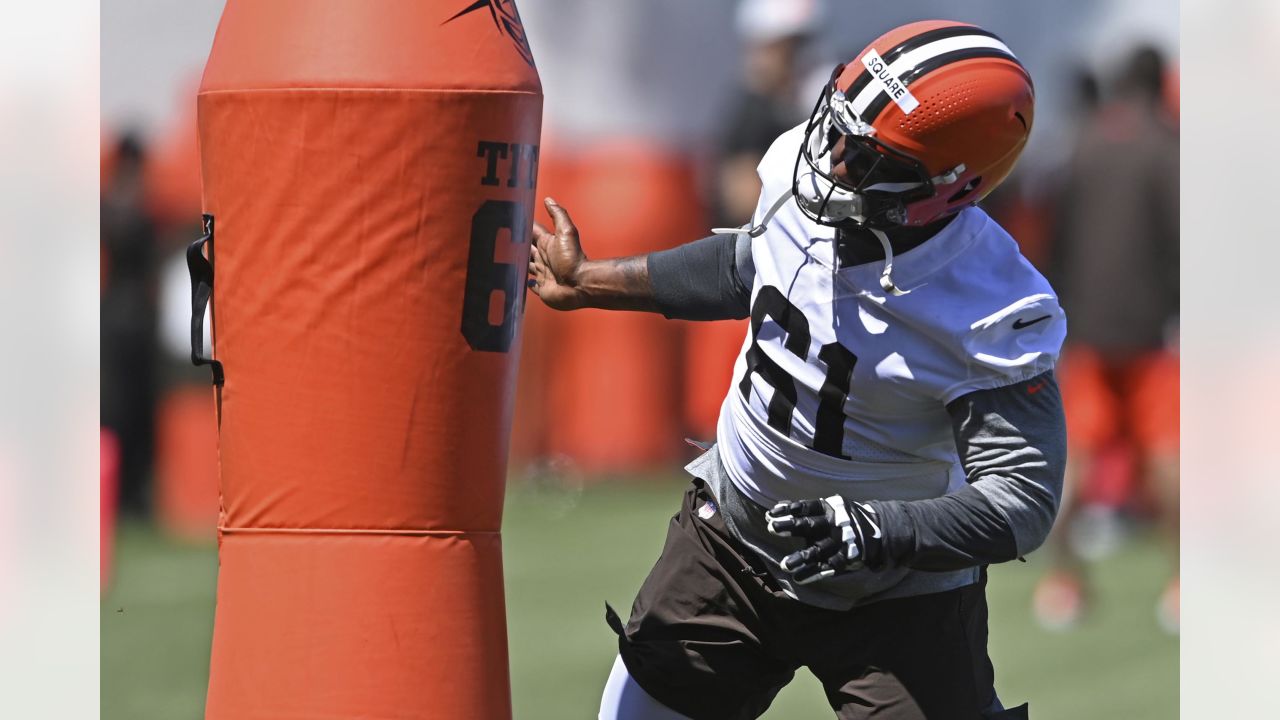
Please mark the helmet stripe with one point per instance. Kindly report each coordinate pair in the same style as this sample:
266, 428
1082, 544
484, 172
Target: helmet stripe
882, 100
910, 67
912, 43
909, 60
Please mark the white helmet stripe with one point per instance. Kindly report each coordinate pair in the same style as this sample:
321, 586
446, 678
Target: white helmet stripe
910, 60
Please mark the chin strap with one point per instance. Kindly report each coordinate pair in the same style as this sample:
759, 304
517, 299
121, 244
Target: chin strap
886, 279
758, 230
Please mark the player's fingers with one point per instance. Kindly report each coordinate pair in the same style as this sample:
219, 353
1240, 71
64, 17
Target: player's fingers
540, 234
818, 525
805, 574
788, 525
564, 225
795, 561
780, 518
800, 558
818, 561
799, 508
537, 267
826, 547
544, 267
543, 274
811, 508
782, 509
813, 573
781, 525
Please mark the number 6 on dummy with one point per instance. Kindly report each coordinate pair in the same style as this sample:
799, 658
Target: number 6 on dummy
367, 291
487, 276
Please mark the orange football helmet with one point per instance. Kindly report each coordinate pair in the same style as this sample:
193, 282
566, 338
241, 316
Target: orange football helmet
934, 115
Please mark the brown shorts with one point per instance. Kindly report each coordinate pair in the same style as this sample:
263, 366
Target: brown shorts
711, 636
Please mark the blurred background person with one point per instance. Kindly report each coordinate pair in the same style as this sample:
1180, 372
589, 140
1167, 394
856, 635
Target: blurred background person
128, 310
1025, 204
775, 85
1114, 263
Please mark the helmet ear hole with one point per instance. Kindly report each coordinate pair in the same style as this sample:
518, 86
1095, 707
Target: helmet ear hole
968, 189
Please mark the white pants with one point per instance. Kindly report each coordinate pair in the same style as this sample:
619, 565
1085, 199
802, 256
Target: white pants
624, 699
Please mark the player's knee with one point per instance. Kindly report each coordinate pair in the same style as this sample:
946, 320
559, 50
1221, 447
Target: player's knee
624, 699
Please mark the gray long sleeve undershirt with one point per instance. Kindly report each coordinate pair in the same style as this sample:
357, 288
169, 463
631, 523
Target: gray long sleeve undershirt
708, 279
1012, 445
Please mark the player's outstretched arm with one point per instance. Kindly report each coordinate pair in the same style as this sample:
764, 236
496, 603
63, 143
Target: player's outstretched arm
708, 279
561, 274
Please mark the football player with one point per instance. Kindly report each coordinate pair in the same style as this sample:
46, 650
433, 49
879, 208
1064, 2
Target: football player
893, 425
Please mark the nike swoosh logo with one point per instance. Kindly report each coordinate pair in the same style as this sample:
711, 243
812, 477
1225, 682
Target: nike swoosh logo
1020, 323
1033, 389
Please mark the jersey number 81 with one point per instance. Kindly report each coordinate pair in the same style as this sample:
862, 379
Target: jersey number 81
828, 432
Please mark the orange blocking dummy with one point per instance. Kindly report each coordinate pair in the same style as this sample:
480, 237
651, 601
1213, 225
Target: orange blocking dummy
369, 169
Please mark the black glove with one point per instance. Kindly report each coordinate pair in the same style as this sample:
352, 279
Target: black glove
842, 536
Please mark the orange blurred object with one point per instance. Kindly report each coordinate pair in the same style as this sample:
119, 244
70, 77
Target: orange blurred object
615, 381
1028, 220
108, 152
1173, 93
370, 171
1133, 398
187, 463
1111, 479
173, 167
709, 354
109, 471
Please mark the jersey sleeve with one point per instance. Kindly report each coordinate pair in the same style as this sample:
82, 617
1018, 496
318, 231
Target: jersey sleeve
1015, 343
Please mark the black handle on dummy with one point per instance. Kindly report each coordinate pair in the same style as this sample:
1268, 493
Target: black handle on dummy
201, 292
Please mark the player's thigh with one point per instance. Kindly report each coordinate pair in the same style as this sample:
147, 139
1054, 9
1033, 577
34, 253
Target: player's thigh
915, 658
697, 637
624, 699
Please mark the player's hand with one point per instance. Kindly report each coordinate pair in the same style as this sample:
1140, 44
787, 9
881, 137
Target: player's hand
554, 261
842, 536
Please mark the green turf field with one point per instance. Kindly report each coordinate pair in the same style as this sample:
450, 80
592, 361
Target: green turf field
568, 552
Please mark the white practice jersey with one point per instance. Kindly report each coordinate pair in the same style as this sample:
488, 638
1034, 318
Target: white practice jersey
842, 387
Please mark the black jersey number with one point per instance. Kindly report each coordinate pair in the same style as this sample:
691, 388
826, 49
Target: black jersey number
828, 432
486, 276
